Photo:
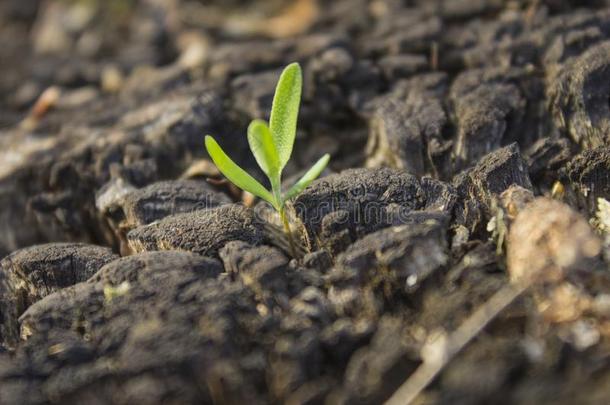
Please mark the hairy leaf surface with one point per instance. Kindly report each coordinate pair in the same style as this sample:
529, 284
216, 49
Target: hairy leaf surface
285, 111
234, 173
308, 177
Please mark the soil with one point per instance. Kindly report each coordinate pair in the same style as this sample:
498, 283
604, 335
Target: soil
470, 150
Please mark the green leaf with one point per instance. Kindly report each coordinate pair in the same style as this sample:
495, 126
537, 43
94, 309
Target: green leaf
263, 149
310, 176
285, 111
234, 173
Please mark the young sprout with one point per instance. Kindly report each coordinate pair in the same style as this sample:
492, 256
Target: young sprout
271, 144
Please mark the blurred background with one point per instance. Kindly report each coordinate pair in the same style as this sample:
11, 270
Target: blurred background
98, 44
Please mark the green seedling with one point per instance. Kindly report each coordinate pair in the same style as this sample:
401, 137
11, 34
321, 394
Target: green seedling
271, 144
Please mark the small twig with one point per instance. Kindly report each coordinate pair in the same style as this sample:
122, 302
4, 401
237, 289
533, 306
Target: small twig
433, 365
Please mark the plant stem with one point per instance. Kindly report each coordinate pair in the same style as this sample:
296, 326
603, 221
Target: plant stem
276, 190
288, 232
